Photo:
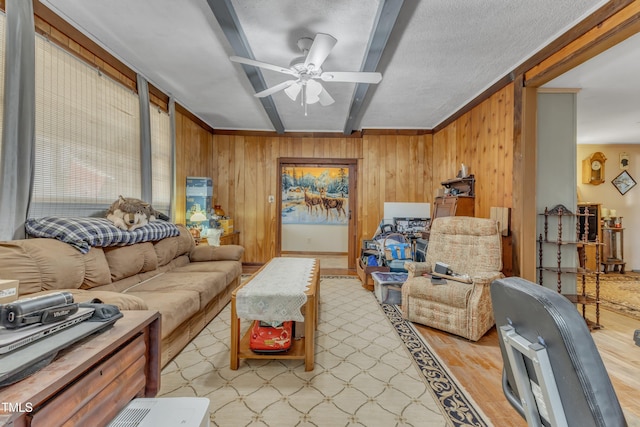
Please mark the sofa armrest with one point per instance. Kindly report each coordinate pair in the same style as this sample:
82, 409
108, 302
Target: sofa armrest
216, 253
416, 269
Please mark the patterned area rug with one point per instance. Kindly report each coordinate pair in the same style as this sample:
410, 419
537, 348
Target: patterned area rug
618, 292
364, 374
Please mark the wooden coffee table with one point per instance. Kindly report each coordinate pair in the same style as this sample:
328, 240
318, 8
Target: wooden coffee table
303, 348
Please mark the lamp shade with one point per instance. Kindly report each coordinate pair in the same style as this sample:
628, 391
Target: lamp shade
198, 216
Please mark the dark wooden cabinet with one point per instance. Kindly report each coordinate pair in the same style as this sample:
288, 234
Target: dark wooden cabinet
453, 206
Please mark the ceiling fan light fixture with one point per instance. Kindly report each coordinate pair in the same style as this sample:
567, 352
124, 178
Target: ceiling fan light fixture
307, 69
313, 92
293, 91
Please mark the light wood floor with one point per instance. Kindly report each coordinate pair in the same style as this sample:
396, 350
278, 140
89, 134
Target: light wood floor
478, 366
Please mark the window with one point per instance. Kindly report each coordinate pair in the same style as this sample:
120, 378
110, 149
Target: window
87, 137
160, 158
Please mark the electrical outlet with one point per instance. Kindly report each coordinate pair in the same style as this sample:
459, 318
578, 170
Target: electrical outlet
271, 199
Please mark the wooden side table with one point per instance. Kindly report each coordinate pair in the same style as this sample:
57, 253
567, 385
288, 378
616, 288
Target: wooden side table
89, 382
613, 250
230, 239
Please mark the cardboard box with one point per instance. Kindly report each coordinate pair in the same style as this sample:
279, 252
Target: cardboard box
8, 291
227, 226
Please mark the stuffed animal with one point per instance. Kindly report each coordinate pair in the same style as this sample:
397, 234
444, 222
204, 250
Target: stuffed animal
128, 213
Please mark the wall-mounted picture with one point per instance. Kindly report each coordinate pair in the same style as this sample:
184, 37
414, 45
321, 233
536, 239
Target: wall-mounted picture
623, 182
624, 161
315, 195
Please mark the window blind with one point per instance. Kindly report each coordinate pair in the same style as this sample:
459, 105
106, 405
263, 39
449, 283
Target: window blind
87, 137
3, 19
161, 158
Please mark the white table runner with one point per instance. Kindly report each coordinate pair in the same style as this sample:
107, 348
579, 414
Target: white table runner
277, 292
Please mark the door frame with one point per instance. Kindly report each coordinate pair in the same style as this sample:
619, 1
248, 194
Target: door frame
352, 166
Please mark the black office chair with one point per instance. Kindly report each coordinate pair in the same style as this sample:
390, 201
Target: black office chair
553, 374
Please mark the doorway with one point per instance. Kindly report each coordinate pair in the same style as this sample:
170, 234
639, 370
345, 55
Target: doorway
316, 207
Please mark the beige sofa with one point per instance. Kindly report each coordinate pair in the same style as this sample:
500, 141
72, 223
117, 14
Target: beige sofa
188, 284
472, 247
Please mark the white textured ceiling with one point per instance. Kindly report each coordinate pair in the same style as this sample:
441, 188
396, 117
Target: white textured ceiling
439, 56
608, 101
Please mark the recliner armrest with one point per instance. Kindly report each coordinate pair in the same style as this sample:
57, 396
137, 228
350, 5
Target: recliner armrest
486, 277
417, 268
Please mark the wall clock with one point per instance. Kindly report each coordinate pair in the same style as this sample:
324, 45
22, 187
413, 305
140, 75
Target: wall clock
623, 182
593, 169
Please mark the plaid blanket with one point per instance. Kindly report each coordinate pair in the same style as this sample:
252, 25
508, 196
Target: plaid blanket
82, 233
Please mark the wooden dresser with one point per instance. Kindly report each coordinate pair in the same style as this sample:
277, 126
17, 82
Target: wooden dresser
89, 382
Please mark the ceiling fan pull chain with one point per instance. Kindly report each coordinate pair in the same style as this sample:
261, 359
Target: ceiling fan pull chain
304, 98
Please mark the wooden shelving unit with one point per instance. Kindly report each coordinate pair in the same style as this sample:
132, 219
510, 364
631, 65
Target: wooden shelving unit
581, 240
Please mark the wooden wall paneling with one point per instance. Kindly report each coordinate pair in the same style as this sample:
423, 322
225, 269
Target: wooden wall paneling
501, 145
372, 199
263, 218
240, 220
272, 223
402, 166
390, 168
389, 162
415, 162
464, 147
222, 183
180, 174
250, 211
507, 146
429, 184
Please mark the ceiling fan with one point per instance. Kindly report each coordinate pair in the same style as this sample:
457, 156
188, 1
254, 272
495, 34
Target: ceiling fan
306, 71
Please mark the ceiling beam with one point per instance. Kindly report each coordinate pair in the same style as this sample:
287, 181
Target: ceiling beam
228, 20
386, 17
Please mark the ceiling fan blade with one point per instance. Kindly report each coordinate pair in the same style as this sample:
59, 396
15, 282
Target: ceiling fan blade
351, 77
274, 89
247, 61
320, 49
325, 98
293, 91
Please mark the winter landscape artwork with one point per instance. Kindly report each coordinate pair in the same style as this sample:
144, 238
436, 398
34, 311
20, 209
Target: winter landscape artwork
315, 195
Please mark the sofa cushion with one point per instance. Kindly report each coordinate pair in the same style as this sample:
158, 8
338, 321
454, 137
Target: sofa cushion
231, 269
216, 253
170, 248
122, 301
41, 264
175, 305
208, 285
125, 261
96, 269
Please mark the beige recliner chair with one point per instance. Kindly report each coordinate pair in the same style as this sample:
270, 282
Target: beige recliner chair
472, 247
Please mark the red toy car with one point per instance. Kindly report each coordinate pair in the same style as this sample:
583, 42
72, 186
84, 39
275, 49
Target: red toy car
266, 338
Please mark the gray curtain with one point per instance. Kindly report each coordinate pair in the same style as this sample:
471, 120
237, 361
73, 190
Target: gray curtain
145, 141
18, 141
172, 127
